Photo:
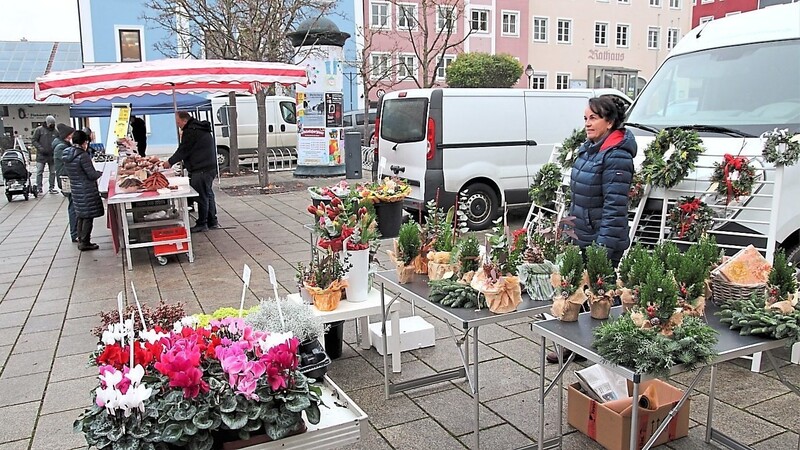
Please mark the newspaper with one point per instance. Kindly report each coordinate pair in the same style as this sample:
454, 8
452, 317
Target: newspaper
602, 384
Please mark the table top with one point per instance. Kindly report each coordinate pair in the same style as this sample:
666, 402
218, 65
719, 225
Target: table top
348, 310
577, 336
466, 318
184, 190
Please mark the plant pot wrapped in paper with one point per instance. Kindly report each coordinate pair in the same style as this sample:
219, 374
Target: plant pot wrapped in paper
600, 304
569, 283
566, 306
502, 295
439, 264
536, 279
406, 249
327, 299
628, 297
601, 276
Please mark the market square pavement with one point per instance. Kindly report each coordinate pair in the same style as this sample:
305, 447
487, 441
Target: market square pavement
51, 294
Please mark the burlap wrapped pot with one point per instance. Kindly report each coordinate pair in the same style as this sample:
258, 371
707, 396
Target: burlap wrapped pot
600, 305
502, 296
405, 272
420, 263
439, 264
627, 298
327, 299
566, 307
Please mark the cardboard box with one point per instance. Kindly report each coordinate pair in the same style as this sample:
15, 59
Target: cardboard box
612, 429
415, 333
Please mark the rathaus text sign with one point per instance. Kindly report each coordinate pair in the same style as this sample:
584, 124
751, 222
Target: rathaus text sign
606, 55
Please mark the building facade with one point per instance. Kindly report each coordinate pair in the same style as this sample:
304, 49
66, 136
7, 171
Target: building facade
706, 10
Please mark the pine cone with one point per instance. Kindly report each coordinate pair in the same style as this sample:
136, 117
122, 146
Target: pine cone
533, 255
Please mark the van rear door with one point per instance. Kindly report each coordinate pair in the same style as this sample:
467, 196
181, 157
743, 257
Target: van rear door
403, 138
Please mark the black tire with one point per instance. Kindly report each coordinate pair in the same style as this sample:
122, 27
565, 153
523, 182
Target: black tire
26, 195
482, 206
223, 158
9, 196
793, 256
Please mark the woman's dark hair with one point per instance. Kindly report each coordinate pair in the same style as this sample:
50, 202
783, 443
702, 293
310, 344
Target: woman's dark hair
79, 138
610, 108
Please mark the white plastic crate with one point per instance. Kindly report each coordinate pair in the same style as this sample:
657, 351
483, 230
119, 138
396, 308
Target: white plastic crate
415, 333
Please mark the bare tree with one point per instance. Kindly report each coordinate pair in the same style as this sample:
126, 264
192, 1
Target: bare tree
245, 30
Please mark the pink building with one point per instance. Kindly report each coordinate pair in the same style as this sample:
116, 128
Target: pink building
393, 36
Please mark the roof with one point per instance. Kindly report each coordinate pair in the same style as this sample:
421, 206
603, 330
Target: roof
25, 97
23, 61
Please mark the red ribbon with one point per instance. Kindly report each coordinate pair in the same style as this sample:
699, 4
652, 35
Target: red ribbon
687, 215
735, 162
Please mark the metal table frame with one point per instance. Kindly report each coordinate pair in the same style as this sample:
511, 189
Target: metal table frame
465, 319
577, 337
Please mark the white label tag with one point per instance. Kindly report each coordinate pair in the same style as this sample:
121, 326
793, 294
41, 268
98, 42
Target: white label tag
669, 152
246, 275
272, 278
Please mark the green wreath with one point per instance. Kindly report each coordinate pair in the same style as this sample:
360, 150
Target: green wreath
772, 140
690, 218
545, 185
569, 148
665, 168
735, 177
636, 191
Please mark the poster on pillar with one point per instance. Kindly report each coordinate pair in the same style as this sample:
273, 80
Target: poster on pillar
320, 108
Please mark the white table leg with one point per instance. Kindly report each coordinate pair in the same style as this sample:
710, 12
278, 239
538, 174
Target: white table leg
126, 234
795, 353
755, 364
396, 341
363, 324
183, 203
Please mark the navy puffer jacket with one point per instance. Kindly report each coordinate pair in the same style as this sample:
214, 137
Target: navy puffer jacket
600, 181
83, 181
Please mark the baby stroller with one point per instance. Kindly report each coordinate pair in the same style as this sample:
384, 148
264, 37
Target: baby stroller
16, 177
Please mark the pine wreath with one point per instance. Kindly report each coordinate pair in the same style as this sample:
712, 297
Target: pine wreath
772, 153
666, 167
570, 146
545, 185
734, 176
690, 218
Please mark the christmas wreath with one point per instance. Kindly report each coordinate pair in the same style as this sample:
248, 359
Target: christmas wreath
569, 148
636, 191
670, 157
734, 176
690, 218
546, 183
780, 147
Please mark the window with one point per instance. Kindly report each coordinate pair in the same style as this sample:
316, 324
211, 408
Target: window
623, 30
445, 18
406, 67
705, 2
510, 21
4, 111
656, 3
539, 82
540, 29
407, 16
562, 80
288, 112
653, 37
564, 32
379, 17
480, 21
404, 120
705, 19
601, 33
380, 63
441, 69
624, 2
673, 34
675, 4
130, 45
732, 13
347, 120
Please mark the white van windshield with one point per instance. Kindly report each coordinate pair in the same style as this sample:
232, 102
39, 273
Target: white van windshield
404, 119
752, 88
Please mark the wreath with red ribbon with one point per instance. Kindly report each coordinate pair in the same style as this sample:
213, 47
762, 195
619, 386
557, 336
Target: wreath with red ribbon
690, 218
734, 176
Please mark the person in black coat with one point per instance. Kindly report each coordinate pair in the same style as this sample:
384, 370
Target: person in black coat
85, 193
197, 150
61, 143
139, 132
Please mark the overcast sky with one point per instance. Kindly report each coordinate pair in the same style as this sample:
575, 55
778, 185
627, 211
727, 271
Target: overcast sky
39, 20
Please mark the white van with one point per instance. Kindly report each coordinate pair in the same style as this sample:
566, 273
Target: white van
490, 142
281, 125
740, 74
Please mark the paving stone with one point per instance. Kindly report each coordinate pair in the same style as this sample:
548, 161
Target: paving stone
736, 385
27, 363
424, 434
786, 440
522, 411
14, 319
740, 425
385, 413
22, 292
54, 431
33, 280
16, 445
502, 436
71, 367
38, 324
9, 335
32, 342
68, 394
16, 305
445, 355
90, 308
495, 333
77, 344
4, 352
777, 410
371, 439
45, 307
454, 410
24, 420
354, 373
503, 377
19, 390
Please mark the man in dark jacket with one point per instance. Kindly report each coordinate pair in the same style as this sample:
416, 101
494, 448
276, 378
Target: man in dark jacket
197, 150
43, 141
61, 143
139, 132
85, 193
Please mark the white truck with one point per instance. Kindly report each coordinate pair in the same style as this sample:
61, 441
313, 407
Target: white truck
731, 80
490, 142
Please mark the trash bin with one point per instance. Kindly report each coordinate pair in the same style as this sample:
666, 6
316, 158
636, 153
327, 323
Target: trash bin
333, 339
352, 155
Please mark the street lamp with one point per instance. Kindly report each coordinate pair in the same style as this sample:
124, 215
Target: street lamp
529, 73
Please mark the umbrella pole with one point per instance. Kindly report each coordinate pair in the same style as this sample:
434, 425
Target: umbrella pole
175, 108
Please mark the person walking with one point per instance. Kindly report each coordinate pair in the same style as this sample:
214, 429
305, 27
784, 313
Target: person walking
43, 137
197, 150
61, 143
85, 193
139, 132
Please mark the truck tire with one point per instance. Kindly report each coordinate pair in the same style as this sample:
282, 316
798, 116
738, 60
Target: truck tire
223, 158
482, 206
793, 256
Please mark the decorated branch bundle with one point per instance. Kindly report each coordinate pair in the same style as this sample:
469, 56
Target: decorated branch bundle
570, 282
440, 235
602, 278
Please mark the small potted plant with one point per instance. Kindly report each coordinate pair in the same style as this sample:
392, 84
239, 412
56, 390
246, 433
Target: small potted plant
497, 279
326, 282
441, 232
324, 194
406, 248
601, 281
332, 224
569, 283
388, 195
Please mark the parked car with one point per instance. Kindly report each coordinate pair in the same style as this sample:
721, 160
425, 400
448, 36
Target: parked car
354, 121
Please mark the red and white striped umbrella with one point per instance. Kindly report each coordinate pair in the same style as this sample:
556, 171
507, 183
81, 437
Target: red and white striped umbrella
165, 76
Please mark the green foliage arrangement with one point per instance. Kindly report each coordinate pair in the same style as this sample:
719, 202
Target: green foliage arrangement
569, 148
298, 318
774, 139
483, 70
546, 184
645, 350
670, 157
782, 276
454, 294
409, 242
691, 272
708, 249
658, 294
468, 254
571, 269
635, 255
749, 316
601, 272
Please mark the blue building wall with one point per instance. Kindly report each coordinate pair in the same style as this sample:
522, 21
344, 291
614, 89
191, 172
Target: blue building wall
344, 18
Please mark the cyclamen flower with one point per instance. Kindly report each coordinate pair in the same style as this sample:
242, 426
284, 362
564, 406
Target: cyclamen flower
122, 390
281, 360
116, 332
180, 364
186, 322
